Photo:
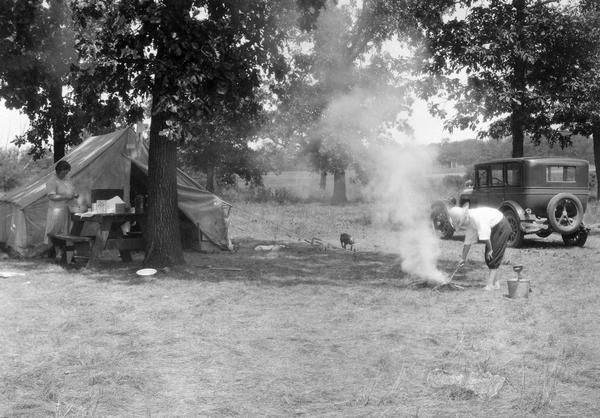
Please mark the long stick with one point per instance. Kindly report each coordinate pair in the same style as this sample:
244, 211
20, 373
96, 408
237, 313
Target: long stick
449, 282
453, 273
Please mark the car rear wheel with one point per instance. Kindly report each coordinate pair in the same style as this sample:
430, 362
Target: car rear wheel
441, 221
565, 213
516, 236
577, 238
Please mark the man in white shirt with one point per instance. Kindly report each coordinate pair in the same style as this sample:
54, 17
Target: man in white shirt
483, 224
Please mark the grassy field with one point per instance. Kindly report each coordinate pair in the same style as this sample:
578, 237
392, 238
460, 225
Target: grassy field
302, 331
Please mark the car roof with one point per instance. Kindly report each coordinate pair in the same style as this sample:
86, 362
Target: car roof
536, 159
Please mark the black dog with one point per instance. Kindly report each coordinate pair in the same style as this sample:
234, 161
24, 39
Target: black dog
346, 239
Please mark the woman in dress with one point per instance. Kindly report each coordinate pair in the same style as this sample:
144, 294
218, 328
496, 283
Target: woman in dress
59, 191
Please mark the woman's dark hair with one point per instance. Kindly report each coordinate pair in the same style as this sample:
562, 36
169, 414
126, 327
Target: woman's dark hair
62, 165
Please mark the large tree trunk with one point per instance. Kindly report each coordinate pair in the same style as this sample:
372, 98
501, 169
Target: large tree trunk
518, 135
58, 119
323, 180
339, 187
163, 243
596, 138
210, 178
517, 124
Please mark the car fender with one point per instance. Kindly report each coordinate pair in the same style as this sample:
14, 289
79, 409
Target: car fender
514, 206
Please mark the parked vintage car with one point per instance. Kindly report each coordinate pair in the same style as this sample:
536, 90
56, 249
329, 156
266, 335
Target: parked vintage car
537, 195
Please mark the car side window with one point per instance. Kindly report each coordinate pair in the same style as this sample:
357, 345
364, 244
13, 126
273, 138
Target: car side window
482, 177
560, 174
513, 174
497, 171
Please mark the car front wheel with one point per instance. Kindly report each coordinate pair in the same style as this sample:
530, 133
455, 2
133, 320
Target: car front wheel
516, 236
441, 221
565, 213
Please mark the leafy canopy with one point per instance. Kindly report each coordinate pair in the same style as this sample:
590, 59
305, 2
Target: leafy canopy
515, 59
37, 53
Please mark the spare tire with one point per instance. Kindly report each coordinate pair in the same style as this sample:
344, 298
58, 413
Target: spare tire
565, 213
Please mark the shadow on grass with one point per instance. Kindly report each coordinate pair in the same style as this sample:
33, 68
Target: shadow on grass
297, 264
301, 264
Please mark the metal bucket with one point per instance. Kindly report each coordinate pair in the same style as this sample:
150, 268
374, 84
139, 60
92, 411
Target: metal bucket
518, 288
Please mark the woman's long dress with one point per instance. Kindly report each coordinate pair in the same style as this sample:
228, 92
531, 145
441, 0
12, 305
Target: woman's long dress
58, 220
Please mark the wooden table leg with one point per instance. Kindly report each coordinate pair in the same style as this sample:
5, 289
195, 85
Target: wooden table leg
69, 251
99, 243
125, 255
76, 229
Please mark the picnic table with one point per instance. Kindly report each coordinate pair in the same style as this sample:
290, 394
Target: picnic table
109, 235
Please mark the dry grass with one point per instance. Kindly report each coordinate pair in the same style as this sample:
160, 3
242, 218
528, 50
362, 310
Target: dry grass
300, 331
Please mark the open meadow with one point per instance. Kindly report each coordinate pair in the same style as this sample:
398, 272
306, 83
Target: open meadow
302, 331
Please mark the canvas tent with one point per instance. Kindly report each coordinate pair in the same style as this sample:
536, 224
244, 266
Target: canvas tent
118, 160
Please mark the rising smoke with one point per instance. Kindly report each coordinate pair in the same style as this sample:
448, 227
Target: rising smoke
400, 189
367, 123
397, 166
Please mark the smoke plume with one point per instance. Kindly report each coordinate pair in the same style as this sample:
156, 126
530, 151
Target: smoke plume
400, 189
365, 125
397, 166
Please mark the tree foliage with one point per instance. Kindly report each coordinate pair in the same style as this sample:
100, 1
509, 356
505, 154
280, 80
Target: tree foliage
515, 57
220, 148
342, 91
219, 144
37, 50
580, 112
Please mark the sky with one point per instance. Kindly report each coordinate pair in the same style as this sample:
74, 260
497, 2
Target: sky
429, 129
11, 123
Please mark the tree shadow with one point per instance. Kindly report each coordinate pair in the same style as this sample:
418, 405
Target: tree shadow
302, 264
293, 264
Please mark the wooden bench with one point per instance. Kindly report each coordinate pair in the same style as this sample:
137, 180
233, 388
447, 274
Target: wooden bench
67, 242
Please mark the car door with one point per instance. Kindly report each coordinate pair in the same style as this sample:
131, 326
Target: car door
497, 185
481, 191
514, 182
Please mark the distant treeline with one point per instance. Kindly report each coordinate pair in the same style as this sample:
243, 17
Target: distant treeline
469, 152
